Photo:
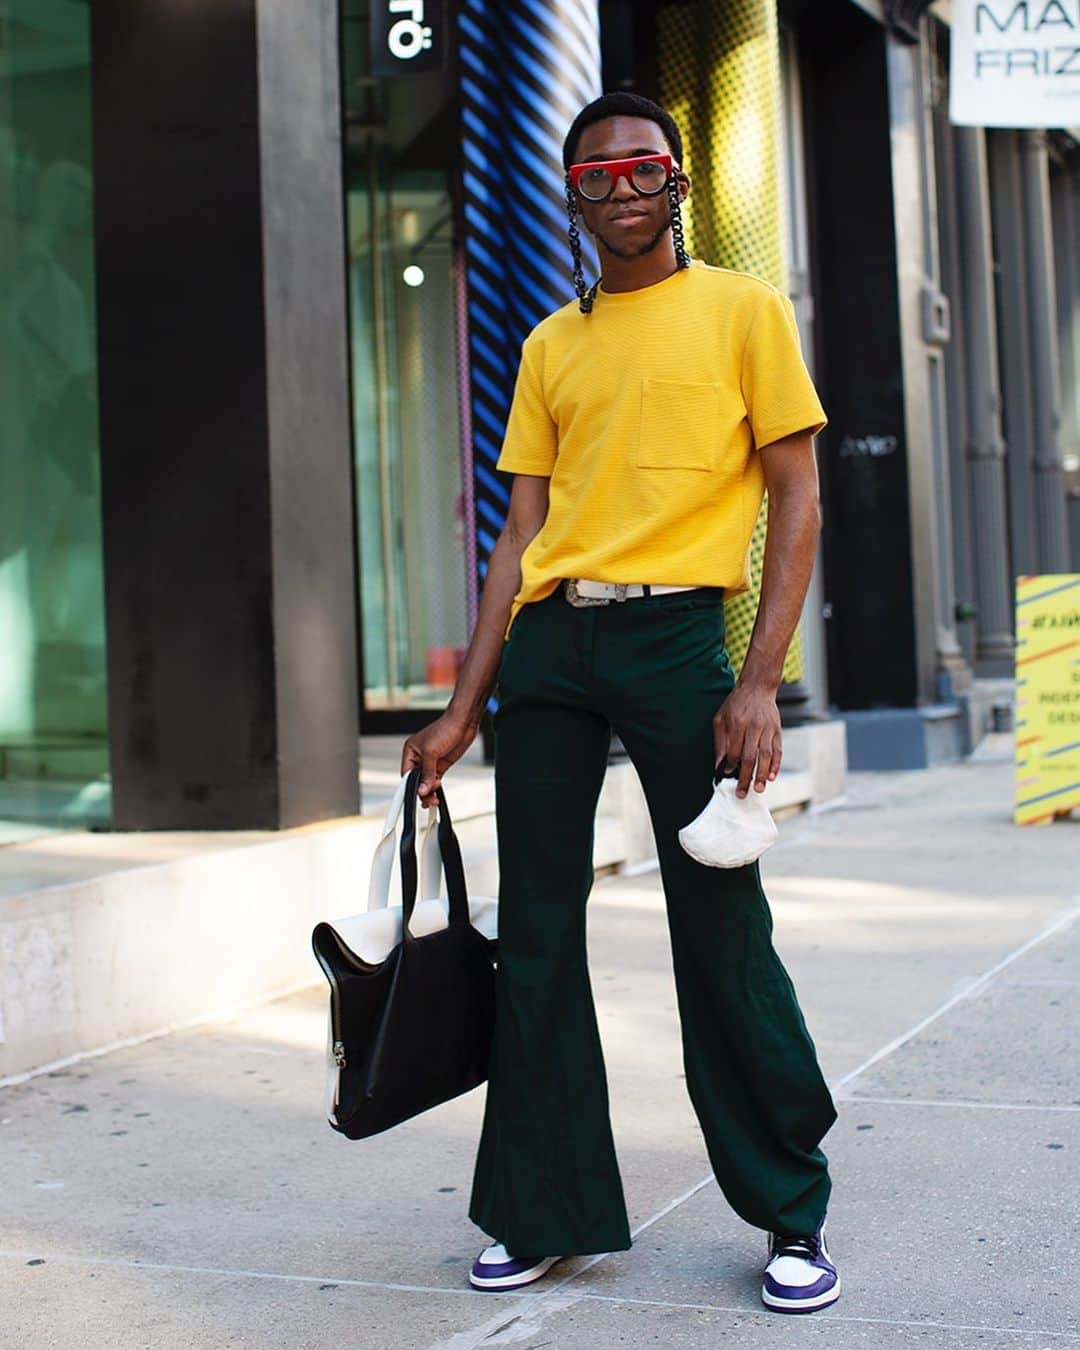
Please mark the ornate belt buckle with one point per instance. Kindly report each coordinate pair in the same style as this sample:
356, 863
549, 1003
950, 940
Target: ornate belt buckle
581, 601
620, 591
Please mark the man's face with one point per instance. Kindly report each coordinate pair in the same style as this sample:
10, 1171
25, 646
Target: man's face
627, 224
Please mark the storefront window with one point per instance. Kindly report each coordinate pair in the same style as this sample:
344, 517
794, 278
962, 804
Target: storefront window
407, 441
401, 148
53, 749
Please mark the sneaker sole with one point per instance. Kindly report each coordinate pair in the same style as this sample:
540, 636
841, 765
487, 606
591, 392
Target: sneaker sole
529, 1276
801, 1305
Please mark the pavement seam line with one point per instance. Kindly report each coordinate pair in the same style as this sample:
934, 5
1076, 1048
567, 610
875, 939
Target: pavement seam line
828, 1316
129, 1042
961, 1102
120, 1263
1044, 984
507, 1317
673, 1204
549, 1298
518, 1325
969, 991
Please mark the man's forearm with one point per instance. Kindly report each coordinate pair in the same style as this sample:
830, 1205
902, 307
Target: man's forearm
790, 547
476, 679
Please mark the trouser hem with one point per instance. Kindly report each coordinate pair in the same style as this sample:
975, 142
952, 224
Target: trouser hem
521, 1244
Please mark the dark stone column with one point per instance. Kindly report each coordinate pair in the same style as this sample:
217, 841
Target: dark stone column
985, 446
1029, 354
226, 448
865, 471
1050, 519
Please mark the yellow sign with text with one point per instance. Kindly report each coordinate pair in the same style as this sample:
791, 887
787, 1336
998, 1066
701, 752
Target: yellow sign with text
1047, 697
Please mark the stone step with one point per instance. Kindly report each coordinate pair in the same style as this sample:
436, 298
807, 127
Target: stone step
107, 937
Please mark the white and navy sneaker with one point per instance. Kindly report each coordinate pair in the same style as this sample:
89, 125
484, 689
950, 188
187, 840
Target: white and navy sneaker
799, 1277
495, 1268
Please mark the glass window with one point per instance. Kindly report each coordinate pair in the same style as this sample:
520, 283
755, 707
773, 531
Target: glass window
411, 514
53, 749
402, 137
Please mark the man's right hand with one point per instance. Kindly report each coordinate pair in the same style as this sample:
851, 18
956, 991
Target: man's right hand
439, 745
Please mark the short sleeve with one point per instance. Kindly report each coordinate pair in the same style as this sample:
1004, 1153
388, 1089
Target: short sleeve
777, 390
530, 444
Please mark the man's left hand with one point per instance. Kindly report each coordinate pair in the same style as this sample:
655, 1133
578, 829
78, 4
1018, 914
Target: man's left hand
746, 731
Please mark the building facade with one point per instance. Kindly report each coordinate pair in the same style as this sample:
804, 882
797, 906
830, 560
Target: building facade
265, 272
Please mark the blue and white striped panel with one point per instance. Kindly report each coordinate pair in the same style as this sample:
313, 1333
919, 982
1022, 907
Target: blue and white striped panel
527, 68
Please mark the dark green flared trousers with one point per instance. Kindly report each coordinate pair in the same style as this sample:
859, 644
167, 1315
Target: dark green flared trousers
547, 1183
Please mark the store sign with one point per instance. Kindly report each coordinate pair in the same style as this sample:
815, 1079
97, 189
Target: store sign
1047, 697
407, 36
1015, 63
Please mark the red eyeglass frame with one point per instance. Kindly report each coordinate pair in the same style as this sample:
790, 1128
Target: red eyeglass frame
621, 168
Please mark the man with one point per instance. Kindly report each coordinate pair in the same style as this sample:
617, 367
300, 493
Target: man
647, 419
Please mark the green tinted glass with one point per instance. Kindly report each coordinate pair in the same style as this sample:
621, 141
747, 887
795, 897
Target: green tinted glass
53, 756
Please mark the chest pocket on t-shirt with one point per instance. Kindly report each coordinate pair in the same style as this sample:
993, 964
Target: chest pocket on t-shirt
680, 425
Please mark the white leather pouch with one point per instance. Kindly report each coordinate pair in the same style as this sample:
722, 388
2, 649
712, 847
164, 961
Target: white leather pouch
731, 831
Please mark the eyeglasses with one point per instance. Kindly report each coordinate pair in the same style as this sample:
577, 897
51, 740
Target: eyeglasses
647, 174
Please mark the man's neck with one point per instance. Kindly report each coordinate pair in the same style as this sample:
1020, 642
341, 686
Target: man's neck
634, 274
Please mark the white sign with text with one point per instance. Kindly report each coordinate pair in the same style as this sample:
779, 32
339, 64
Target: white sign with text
1015, 63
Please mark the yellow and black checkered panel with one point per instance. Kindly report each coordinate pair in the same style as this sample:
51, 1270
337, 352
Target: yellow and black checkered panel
720, 80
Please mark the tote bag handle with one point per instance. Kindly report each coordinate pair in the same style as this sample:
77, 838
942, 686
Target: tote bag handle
440, 843
382, 862
430, 857
449, 850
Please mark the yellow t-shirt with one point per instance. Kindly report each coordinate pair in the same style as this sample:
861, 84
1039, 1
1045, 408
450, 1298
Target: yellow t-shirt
646, 415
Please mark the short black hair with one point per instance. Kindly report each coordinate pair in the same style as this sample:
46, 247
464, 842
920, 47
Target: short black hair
622, 104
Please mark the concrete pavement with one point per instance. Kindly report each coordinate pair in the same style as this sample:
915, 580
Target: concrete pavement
186, 1192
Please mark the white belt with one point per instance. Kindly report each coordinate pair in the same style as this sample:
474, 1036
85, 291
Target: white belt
581, 593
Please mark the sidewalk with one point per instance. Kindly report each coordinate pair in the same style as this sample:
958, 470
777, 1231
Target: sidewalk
186, 1193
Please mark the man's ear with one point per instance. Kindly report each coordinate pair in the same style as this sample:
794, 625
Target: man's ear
683, 180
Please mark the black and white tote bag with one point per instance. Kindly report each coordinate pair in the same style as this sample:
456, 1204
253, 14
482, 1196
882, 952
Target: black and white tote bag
412, 1001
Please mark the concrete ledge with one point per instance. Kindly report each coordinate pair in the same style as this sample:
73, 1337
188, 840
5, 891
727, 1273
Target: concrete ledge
906, 738
125, 953
819, 749
988, 708
107, 937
